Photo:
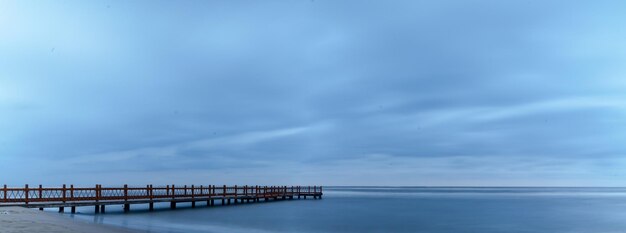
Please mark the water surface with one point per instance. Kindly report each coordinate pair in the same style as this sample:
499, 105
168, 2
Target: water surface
394, 209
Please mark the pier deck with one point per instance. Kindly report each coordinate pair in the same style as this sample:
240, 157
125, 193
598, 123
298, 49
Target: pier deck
98, 196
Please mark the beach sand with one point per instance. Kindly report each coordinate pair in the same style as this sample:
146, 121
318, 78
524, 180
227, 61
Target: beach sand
18, 219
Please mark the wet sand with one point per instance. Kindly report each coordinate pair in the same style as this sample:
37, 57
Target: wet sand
17, 219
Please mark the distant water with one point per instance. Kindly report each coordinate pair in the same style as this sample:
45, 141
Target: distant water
394, 209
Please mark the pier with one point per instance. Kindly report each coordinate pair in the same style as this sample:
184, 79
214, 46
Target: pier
99, 196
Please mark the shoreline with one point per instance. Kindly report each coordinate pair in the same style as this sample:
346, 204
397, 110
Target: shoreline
22, 220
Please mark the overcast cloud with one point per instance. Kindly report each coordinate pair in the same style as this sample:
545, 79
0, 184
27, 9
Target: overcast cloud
313, 92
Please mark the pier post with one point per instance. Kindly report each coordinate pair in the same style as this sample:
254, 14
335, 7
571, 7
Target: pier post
26, 194
151, 206
41, 208
73, 209
125, 192
63, 193
172, 205
193, 196
222, 201
212, 202
97, 190
126, 205
149, 191
102, 209
40, 192
5, 193
61, 209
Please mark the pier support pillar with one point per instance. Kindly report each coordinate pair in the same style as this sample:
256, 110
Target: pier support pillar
172, 205
298, 196
126, 207
41, 208
61, 209
102, 209
267, 199
193, 204
212, 202
73, 209
151, 206
304, 197
97, 209
228, 201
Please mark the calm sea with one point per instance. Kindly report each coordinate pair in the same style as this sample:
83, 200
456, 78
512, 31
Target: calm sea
394, 209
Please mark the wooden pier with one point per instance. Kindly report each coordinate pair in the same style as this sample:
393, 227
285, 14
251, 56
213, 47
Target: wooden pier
99, 197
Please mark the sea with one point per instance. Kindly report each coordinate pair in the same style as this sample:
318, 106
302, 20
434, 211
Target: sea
391, 209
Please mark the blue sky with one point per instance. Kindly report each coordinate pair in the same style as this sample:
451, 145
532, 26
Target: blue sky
313, 92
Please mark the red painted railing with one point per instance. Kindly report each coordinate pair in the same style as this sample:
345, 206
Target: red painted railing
98, 193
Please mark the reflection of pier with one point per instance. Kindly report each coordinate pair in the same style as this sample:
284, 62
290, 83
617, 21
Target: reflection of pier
98, 196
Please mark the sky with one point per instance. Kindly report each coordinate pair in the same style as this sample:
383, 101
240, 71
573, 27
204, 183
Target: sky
313, 92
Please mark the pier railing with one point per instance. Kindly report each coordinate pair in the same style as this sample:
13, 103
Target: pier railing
97, 193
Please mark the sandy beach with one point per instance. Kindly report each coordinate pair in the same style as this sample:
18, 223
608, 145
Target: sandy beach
23, 220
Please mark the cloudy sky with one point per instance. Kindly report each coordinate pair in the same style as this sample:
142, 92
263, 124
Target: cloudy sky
313, 92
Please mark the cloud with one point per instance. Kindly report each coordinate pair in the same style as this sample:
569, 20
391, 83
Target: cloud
270, 89
202, 152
